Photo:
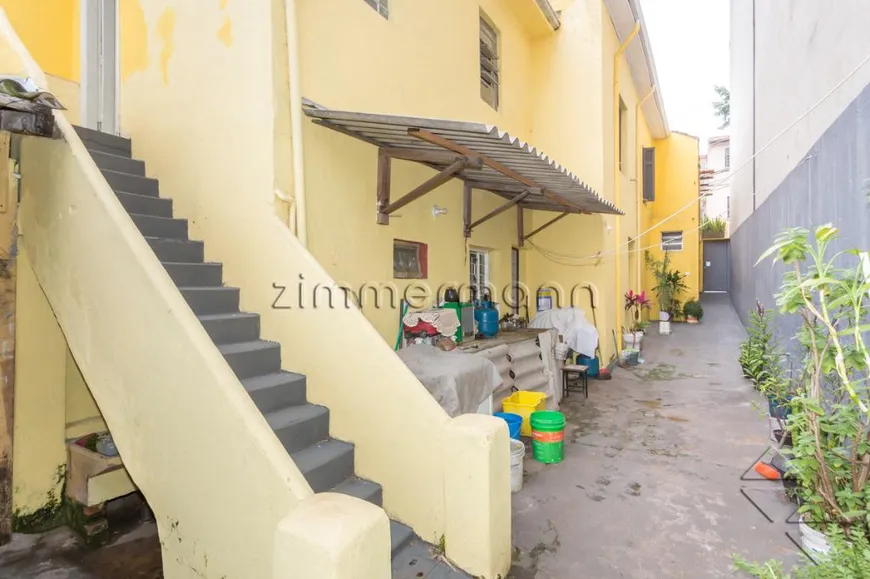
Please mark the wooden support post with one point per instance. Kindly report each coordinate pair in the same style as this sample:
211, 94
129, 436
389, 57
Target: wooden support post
547, 224
501, 209
428, 186
466, 210
520, 237
8, 248
384, 172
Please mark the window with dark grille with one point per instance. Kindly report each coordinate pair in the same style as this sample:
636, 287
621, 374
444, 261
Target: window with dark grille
649, 174
727, 157
382, 7
488, 63
672, 241
728, 207
410, 259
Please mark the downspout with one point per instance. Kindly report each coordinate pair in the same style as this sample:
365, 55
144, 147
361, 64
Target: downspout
298, 222
616, 148
638, 240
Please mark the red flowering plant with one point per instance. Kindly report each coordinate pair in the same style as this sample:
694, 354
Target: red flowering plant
634, 304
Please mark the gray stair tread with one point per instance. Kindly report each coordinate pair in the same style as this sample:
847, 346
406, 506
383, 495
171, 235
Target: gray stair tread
293, 414
400, 535
270, 380
195, 263
361, 489
227, 316
240, 347
413, 560
319, 454
204, 288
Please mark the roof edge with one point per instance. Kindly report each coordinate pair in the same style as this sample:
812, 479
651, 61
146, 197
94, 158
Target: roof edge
650, 62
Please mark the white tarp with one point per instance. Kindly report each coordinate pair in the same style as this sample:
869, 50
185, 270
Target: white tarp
580, 335
458, 381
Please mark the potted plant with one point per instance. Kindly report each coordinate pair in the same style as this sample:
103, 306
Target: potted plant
847, 559
829, 421
755, 351
693, 311
635, 303
713, 228
668, 286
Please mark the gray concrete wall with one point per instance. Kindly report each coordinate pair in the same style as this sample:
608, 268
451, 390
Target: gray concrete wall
830, 184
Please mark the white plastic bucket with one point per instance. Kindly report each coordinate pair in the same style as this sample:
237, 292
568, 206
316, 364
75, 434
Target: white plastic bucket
518, 451
812, 540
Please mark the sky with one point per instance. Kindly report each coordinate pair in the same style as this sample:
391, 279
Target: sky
690, 41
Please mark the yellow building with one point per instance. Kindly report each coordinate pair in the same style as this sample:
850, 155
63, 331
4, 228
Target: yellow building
274, 127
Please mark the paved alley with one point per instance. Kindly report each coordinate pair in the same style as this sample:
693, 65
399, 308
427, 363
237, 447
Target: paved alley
650, 485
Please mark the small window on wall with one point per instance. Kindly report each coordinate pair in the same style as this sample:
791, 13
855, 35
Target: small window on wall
727, 157
489, 69
382, 7
672, 241
410, 260
478, 278
649, 174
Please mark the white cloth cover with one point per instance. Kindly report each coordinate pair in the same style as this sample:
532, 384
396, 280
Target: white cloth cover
460, 382
445, 321
571, 323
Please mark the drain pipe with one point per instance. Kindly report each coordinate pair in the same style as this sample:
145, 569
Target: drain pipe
298, 214
616, 169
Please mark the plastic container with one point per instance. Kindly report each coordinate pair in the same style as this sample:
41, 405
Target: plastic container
486, 317
524, 403
591, 363
548, 436
518, 451
812, 540
514, 422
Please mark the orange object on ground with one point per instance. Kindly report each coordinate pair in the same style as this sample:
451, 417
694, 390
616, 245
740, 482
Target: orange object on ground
767, 471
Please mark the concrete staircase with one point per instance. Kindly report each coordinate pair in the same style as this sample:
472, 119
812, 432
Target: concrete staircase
303, 428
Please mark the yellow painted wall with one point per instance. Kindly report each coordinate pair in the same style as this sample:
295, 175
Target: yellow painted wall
677, 208
220, 167
51, 31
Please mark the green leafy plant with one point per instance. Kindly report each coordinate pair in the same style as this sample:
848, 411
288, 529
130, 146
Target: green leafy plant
848, 559
829, 420
755, 352
716, 225
693, 309
669, 284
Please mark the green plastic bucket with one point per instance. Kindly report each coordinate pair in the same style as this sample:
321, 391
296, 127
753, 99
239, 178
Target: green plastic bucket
548, 436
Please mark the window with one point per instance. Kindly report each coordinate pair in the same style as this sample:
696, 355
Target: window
623, 135
649, 174
410, 260
478, 278
382, 7
728, 207
672, 241
727, 157
488, 63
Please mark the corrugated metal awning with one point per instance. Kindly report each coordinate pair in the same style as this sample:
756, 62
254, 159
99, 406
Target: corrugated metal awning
509, 168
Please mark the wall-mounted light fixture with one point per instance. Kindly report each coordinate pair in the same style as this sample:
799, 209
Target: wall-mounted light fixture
436, 211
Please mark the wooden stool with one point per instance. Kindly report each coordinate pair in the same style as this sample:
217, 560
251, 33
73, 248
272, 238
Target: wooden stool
575, 372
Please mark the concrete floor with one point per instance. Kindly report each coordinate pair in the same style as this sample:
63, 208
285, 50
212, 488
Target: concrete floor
650, 485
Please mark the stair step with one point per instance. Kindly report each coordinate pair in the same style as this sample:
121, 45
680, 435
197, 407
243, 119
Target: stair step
298, 427
132, 183
249, 359
325, 464
232, 328
212, 300
412, 559
163, 227
145, 205
197, 275
177, 250
118, 163
362, 489
276, 390
104, 142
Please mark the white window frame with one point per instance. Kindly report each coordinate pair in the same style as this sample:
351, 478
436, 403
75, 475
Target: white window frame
479, 271
672, 241
382, 7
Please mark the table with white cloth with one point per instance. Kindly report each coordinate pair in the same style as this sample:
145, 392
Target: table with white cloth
459, 382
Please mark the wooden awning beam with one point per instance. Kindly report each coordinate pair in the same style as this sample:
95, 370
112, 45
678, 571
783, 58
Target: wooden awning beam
385, 208
498, 210
431, 137
423, 155
547, 224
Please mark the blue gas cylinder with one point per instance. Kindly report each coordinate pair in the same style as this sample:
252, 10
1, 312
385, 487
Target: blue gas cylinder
486, 317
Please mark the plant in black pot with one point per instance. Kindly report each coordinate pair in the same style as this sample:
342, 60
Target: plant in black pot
693, 311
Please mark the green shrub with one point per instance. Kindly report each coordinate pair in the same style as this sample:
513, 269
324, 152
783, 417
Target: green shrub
693, 308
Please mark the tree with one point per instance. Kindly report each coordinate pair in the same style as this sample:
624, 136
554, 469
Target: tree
722, 107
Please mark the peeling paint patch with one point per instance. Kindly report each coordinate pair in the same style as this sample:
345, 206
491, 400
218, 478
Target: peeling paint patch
225, 34
166, 31
134, 38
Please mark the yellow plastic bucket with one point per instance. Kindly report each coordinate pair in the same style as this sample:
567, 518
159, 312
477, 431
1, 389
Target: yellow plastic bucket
524, 403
